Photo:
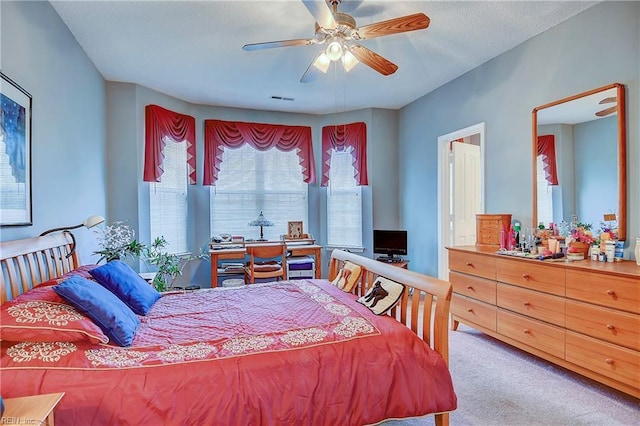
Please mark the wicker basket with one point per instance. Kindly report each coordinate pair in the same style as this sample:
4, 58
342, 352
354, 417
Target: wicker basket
488, 227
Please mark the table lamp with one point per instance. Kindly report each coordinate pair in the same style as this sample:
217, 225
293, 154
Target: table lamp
261, 221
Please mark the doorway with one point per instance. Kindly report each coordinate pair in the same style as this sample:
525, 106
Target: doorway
460, 189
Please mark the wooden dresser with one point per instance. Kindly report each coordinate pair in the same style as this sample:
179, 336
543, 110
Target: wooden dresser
584, 316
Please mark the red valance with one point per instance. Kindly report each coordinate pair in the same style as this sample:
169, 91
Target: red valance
219, 134
161, 123
344, 136
547, 148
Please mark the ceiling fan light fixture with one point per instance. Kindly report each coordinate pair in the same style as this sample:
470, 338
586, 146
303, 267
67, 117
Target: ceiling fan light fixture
349, 61
334, 50
322, 63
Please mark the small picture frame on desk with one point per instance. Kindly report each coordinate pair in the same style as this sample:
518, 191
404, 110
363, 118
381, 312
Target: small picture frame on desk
295, 231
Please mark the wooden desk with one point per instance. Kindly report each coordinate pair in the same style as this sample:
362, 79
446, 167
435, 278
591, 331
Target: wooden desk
27, 410
240, 252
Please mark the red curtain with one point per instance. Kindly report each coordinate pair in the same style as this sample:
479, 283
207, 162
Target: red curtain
547, 148
161, 123
219, 134
344, 136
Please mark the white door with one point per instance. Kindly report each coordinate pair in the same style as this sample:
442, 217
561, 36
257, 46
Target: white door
465, 192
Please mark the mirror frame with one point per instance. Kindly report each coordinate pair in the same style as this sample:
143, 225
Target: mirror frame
622, 153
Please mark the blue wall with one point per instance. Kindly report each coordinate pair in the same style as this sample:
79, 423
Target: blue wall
69, 171
595, 48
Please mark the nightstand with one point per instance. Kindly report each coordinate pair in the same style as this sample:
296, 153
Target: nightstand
27, 410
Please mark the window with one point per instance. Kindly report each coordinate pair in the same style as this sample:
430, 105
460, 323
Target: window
545, 195
252, 181
344, 203
168, 199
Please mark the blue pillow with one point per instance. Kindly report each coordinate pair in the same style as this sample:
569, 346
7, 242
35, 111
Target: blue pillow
108, 312
118, 277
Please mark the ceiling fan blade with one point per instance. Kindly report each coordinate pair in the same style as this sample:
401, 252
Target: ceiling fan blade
372, 59
282, 43
321, 12
417, 21
607, 111
608, 100
313, 71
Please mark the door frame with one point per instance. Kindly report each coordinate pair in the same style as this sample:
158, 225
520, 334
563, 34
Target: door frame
444, 189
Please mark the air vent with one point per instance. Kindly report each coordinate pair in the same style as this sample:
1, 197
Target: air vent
282, 98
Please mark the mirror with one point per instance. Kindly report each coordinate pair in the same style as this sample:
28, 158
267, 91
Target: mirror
579, 159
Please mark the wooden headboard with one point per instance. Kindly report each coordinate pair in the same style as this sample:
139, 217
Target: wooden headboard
31, 261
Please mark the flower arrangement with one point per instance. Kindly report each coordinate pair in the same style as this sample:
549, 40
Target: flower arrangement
610, 229
117, 242
582, 233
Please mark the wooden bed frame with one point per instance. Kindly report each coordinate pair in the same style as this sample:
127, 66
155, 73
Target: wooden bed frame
424, 308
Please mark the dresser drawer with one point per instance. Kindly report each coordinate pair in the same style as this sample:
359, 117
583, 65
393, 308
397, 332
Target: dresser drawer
542, 336
542, 306
473, 311
532, 275
618, 363
473, 264
607, 290
621, 328
474, 287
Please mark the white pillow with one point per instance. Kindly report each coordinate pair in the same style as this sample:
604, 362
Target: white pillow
382, 296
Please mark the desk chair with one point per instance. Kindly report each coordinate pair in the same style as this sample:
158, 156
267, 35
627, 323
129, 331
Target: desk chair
275, 268
182, 281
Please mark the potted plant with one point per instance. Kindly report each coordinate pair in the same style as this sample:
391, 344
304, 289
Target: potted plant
117, 242
167, 264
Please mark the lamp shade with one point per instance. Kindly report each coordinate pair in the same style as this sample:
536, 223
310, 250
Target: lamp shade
260, 220
92, 221
334, 49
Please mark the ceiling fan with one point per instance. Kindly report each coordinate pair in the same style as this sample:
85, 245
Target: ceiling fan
609, 110
338, 31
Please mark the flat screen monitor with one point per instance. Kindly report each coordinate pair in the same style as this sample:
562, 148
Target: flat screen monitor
390, 243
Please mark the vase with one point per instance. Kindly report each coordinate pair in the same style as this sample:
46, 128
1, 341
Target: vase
637, 251
581, 247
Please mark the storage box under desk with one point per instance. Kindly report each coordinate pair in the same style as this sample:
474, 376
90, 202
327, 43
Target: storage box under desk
301, 267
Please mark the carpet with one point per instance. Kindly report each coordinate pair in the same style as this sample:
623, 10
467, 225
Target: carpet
497, 384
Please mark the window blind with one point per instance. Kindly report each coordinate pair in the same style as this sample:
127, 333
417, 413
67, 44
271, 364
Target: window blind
344, 202
252, 181
168, 199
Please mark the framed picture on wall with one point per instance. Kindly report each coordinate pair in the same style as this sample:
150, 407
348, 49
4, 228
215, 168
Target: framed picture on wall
15, 154
295, 230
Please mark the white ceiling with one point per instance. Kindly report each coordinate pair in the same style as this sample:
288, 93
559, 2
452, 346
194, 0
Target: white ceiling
192, 50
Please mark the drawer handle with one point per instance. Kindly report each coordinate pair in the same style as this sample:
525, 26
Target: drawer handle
525, 276
526, 331
469, 287
526, 304
469, 264
609, 361
611, 292
470, 310
611, 327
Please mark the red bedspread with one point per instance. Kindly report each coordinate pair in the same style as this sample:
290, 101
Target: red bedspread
299, 352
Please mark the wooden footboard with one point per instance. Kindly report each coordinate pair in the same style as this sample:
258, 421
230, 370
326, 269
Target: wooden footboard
424, 306
28, 262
